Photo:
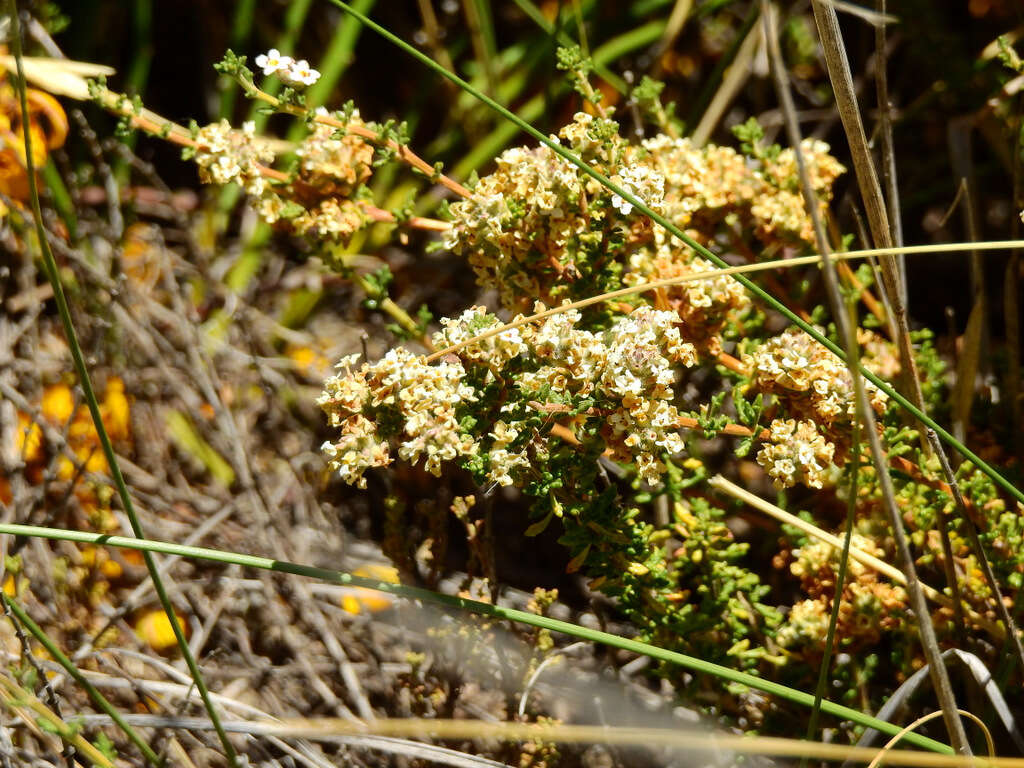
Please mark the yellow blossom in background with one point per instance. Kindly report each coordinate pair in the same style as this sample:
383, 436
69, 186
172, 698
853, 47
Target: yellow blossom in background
308, 360
56, 408
100, 560
358, 599
28, 439
82, 437
58, 403
48, 128
115, 410
155, 630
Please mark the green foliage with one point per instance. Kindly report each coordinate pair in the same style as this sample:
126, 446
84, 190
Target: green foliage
751, 136
932, 371
647, 96
234, 66
424, 317
377, 286
579, 67
105, 746
1009, 56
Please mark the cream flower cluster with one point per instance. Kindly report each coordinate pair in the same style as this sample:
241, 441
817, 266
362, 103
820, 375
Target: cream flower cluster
702, 184
627, 372
331, 167
706, 184
225, 155
317, 200
819, 558
334, 164
531, 225
878, 354
539, 228
816, 388
294, 73
795, 452
639, 371
784, 210
869, 605
494, 352
807, 623
704, 306
822, 168
402, 387
813, 381
641, 181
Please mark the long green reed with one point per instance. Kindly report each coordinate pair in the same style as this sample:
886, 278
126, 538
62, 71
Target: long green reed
485, 609
50, 267
98, 699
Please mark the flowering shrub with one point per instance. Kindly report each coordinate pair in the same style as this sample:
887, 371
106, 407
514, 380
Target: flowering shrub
601, 413
540, 227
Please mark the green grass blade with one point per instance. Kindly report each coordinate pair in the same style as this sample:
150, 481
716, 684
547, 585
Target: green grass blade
485, 609
50, 266
837, 599
672, 229
69, 666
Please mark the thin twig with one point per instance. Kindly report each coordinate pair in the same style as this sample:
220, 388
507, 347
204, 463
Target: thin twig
896, 222
829, 30
888, 150
979, 553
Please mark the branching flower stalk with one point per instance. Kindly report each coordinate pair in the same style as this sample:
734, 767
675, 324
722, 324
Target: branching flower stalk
156, 125
235, 67
335, 166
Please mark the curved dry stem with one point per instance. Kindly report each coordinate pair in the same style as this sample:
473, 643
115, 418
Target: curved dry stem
887, 749
712, 274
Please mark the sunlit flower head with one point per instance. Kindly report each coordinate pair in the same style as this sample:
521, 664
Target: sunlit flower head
621, 205
300, 73
273, 62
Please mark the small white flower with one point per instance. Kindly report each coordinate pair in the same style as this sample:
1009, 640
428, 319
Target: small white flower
622, 206
273, 62
300, 73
